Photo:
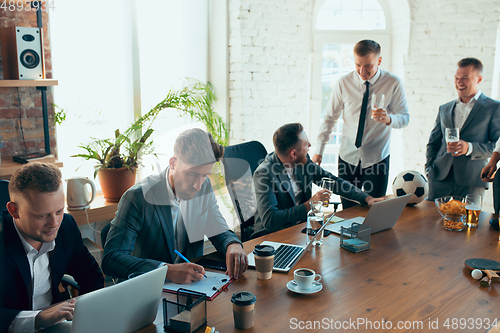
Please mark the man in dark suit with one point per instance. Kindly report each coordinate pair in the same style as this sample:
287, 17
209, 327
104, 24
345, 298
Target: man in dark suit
38, 245
173, 211
283, 182
455, 168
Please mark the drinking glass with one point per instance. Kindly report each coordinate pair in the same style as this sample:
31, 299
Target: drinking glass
327, 184
473, 205
377, 102
452, 135
315, 220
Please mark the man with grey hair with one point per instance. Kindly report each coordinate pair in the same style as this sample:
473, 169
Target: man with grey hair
173, 211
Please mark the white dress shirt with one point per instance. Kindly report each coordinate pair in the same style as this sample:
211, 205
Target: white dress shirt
462, 111
347, 97
297, 192
497, 147
41, 281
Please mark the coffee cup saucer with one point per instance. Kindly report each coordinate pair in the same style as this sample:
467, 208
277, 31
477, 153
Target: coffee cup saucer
316, 286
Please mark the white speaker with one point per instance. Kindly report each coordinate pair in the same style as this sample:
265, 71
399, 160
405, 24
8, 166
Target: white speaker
22, 53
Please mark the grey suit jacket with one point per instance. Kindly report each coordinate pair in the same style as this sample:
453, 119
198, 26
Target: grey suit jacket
141, 236
276, 208
481, 128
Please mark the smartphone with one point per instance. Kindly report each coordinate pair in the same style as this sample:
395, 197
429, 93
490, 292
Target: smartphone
313, 232
210, 263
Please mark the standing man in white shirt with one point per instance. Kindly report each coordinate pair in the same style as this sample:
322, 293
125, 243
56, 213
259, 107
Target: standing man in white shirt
364, 150
455, 168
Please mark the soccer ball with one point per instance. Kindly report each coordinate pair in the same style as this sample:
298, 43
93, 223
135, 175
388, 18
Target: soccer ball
410, 182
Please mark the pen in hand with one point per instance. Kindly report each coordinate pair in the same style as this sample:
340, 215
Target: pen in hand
184, 258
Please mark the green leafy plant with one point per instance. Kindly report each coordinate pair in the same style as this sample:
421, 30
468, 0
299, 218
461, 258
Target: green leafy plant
59, 115
194, 100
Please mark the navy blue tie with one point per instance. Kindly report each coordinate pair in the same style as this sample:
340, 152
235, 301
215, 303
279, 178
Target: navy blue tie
362, 116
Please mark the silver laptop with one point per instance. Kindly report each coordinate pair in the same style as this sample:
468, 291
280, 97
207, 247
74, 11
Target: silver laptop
287, 255
382, 215
122, 308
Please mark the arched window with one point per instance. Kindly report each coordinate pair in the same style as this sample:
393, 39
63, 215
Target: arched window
351, 15
338, 26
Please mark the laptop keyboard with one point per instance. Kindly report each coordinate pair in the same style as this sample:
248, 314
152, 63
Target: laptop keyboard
285, 255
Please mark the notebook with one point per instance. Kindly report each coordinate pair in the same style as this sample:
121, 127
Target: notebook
287, 255
382, 215
211, 286
124, 307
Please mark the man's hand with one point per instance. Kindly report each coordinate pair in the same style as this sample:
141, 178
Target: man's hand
371, 200
457, 148
55, 314
381, 116
317, 159
236, 260
185, 273
322, 195
488, 171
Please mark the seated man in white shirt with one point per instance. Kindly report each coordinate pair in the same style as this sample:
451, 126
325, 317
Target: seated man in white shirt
38, 245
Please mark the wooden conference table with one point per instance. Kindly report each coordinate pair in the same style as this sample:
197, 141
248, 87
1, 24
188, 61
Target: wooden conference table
413, 274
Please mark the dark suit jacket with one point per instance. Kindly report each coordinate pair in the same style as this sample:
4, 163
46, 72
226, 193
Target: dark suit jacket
276, 207
481, 128
69, 256
141, 236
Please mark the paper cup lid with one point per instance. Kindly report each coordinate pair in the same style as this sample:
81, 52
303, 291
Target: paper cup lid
243, 298
264, 250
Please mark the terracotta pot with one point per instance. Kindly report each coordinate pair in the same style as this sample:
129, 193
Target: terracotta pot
115, 182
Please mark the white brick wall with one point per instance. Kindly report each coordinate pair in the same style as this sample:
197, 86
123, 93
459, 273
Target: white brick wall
269, 46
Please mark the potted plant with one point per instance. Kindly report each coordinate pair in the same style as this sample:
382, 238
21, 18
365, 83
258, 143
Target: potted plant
118, 158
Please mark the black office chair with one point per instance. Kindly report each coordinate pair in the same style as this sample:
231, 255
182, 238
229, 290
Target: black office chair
4, 194
240, 162
104, 234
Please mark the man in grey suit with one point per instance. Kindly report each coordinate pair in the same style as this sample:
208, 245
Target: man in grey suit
455, 168
173, 211
283, 182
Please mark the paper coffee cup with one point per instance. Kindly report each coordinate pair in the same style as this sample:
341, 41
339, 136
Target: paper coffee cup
243, 309
264, 261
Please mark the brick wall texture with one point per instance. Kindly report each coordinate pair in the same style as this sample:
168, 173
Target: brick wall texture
269, 46
21, 108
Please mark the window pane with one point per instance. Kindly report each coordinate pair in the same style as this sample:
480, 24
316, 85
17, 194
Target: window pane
338, 60
351, 15
93, 69
96, 87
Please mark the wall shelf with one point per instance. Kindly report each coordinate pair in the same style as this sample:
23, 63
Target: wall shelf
28, 83
8, 166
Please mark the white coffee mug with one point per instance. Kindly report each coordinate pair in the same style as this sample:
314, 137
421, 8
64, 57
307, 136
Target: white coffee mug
77, 195
305, 277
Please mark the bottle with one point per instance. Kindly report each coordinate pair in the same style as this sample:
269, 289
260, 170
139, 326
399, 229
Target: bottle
315, 219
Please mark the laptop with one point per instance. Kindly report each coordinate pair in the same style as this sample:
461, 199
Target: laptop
382, 215
121, 308
287, 255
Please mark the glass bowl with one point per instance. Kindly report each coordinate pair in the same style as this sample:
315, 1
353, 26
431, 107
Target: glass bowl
452, 209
